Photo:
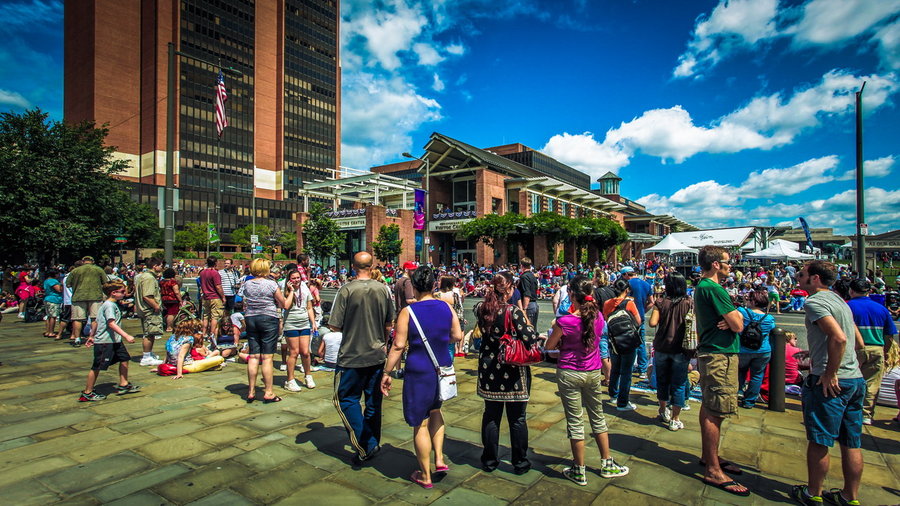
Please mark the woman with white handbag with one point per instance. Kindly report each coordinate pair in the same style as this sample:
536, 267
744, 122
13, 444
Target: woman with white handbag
428, 326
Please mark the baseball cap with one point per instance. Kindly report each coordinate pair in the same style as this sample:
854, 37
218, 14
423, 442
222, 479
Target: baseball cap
409, 266
626, 270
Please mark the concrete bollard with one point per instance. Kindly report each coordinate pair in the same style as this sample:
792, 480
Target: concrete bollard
776, 370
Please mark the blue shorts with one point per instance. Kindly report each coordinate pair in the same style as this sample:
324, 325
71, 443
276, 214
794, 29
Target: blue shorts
297, 333
833, 418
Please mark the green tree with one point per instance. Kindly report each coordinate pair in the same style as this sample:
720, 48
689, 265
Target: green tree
192, 237
493, 227
241, 235
387, 245
600, 232
141, 227
321, 236
556, 228
288, 242
58, 193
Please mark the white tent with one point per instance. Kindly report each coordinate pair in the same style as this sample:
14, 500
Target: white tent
669, 246
780, 251
724, 237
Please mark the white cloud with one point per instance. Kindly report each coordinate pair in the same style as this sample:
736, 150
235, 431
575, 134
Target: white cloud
386, 33
584, 153
456, 49
880, 167
438, 85
14, 99
765, 122
736, 26
791, 180
378, 116
427, 54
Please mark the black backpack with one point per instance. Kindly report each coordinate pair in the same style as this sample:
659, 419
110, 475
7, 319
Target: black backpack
624, 333
752, 336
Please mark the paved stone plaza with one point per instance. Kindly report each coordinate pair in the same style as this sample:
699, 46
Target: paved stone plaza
195, 441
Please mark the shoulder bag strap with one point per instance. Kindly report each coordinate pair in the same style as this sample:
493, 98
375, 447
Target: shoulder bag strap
412, 316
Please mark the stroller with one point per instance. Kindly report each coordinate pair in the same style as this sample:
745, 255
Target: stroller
34, 308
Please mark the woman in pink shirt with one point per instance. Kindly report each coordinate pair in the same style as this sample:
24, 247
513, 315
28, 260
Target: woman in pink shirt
577, 336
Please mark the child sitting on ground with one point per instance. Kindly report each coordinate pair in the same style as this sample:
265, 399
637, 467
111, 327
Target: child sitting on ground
183, 351
227, 342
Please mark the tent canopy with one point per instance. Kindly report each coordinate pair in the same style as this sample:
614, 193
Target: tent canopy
669, 246
724, 237
780, 251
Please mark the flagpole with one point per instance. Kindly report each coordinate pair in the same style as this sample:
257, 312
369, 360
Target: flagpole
208, 232
219, 181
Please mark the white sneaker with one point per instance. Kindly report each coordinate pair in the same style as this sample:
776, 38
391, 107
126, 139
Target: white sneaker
309, 382
628, 407
231, 360
867, 421
675, 425
282, 367
292, 386
686, 407
150, 361
299, 367
22, 315
665, 415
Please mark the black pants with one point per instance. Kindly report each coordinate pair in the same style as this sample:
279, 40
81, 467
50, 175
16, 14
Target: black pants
229, 304
518, 434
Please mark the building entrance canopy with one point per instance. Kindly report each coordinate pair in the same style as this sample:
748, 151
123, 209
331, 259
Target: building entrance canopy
367, 187
565, 192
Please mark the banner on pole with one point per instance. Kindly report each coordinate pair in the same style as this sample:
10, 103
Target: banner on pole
809, 242
419, 212
213, 234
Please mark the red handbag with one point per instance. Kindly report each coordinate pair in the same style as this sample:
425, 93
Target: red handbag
514, 351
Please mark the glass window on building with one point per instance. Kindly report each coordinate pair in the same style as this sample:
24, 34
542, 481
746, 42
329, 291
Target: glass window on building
464, 195
535, 204
551, 204
563, 209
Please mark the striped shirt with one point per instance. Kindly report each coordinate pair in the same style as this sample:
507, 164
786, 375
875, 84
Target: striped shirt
229, 279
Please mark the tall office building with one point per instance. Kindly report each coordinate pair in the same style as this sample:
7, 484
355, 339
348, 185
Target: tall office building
283, 106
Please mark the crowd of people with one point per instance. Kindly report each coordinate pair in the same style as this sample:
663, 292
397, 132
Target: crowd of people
712, 331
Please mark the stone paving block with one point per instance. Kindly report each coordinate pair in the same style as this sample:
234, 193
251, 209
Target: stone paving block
267, 457
222, 498
415, 494
272, 421
173, 429
464, 496
51, 434
16, 443
207, 458
137, 483
160, 419
178, 448
57, 446
268, 487
615, 495
196, 401
681, 481
84, 477
546, 492
217, 416
28, 492
202, 482
179, 393
371, 482
326, 493
501, 489
114, 445
224, 434
142, 498
43, 424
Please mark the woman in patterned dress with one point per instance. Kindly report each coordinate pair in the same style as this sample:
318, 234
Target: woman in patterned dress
503, 386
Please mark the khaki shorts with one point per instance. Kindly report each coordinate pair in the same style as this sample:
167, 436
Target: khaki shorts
81, 310
719, 383
213, 309
152, 325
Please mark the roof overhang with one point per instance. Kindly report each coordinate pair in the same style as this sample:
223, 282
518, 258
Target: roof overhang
560, 190
363, 186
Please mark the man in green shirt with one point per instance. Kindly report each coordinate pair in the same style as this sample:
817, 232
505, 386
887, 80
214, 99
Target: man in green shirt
718, 325
86, 282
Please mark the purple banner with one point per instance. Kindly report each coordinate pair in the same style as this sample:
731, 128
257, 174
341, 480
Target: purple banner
419, 213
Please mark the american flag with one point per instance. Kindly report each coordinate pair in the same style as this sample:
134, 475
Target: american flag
221, 98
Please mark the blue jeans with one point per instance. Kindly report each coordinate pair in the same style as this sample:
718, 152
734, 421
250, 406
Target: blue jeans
643, 360
755, 363
797, 303
833, 418
363, 426
620, 377
532, 313
671, 375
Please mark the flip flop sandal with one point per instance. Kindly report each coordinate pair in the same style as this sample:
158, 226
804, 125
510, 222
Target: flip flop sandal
441, 469
273, 399
250, 398
415, 479
732, 467
724, 486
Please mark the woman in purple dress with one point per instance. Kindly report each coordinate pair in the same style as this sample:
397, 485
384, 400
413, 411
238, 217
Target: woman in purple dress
421, 402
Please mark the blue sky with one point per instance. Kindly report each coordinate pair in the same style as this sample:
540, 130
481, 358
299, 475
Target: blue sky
722, 113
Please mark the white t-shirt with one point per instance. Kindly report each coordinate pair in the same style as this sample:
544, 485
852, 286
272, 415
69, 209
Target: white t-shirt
332, 342
297, 316
67, 292
237, 319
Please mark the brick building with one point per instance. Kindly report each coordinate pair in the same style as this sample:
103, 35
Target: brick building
283, 110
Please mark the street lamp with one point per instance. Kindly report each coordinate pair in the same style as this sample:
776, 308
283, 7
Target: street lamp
861, 228
425, 237
171, 114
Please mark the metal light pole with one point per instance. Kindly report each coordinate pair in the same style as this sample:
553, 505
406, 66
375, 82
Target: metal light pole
426, 240
861, 229
171, 116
